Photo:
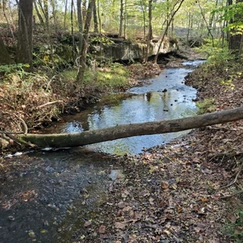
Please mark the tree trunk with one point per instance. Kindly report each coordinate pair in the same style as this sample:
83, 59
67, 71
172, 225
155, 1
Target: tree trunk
98, 13
167, 27
4, 57
84, 49
38, 14
150, 30
206, 23
96, 25
25, 44
46, 13
80, 24
54, 14
65, 14
121, 17
129, 130
84, 10
235, 39
72, 30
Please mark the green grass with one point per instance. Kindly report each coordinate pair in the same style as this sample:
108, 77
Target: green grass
111, 78
206, 106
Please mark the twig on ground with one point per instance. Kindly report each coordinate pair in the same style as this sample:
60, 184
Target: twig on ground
232, 195
50, 103
236, 177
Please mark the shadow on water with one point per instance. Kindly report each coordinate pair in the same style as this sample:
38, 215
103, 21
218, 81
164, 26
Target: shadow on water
46, 196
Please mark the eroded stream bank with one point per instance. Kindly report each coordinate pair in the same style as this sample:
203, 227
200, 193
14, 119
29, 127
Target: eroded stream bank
46, 197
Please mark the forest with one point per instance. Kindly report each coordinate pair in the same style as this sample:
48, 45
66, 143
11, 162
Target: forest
59, 59
45, 38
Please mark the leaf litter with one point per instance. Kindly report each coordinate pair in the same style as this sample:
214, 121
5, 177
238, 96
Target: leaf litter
185, 191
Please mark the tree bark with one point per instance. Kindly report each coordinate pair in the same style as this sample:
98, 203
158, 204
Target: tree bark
167, 27
80, 24
236, 40
46, 13
96, 25
38, 14
25, 44
85, 39
129, 130
121, 16
4, 57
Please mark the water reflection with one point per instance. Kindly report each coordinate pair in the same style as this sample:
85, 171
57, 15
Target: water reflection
166, 97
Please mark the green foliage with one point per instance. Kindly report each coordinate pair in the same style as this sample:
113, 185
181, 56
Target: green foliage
233, 15
231, 77
235, 229
206, 106
113, 77
216, 54
53, 56
69, 74
228, 83
105, 41
17, 69
230, 12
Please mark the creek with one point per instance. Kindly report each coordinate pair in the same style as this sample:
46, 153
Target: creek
46, 196
162, 98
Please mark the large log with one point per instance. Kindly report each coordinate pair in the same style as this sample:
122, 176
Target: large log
129, 130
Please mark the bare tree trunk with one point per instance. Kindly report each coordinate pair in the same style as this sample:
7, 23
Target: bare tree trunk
144, 20
7, 20
4, 57
3, 4
84, 10
65, 13
98, 13
53, 5
235, 39
189, 27
167, 27
150, 30
72, 31
212, 22
96, 29
44, 10
38, 14
125, 22
46, 13
25, 43
129, 130
206, 22
80, 23
121, 17
84, 49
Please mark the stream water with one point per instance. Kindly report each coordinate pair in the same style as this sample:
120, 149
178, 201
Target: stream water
165, 97
46, 195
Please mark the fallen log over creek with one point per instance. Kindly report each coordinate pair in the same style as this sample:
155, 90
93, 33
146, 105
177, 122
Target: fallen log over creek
129, 130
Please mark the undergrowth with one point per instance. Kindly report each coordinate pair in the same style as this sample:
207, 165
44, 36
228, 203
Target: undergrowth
206, 106
112, 78
29, 100
235, 229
